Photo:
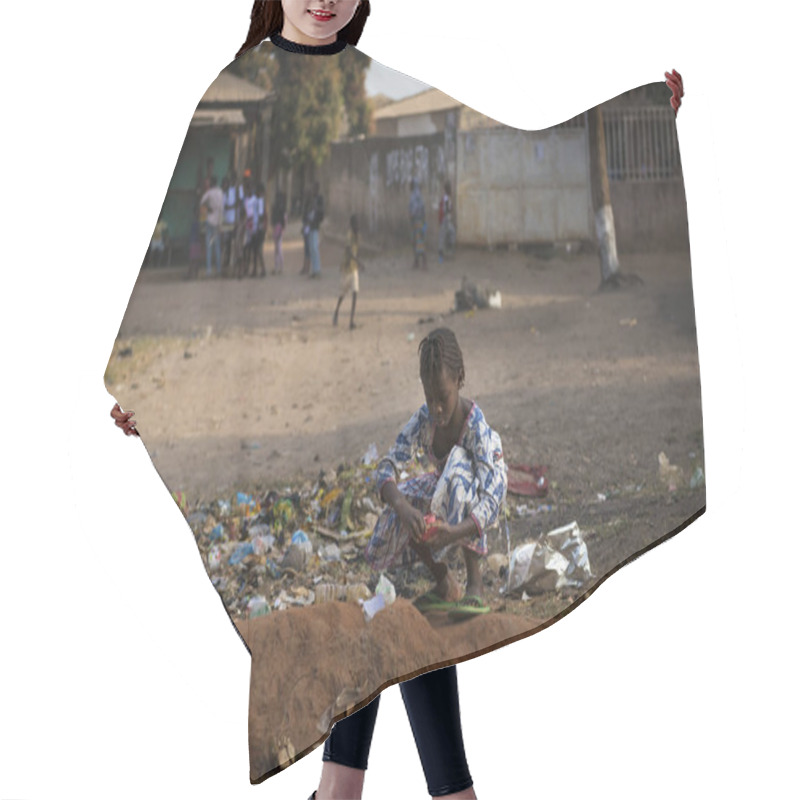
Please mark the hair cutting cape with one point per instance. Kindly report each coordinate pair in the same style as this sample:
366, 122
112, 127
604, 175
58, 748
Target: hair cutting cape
560, 261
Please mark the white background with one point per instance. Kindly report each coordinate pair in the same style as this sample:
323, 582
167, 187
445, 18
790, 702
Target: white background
121, 675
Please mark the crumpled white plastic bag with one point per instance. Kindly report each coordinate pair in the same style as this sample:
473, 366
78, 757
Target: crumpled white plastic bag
556, 560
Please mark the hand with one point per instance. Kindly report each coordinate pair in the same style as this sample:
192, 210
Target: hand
439, 536
124, 420
412, 519
675, 83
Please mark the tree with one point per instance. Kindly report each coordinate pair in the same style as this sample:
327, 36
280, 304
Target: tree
258, 66
310, 96
353, 65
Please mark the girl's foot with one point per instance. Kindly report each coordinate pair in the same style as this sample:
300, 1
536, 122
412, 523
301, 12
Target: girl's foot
474, 589
447, 587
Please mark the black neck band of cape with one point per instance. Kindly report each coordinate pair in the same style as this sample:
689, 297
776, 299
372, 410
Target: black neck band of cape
308, 49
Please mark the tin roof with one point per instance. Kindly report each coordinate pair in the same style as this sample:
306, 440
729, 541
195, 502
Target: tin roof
229, 88
424, 102
218, 116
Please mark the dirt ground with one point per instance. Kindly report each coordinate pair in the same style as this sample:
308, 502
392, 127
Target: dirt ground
245, 385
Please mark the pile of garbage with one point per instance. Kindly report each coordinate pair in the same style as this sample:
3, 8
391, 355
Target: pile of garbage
471, 296
314, 536
304, 545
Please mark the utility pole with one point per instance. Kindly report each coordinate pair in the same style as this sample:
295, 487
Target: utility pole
601, 201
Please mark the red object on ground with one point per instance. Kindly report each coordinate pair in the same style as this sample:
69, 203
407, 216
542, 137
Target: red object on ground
530, 481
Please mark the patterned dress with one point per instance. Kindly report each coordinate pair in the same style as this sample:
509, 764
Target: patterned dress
470, 481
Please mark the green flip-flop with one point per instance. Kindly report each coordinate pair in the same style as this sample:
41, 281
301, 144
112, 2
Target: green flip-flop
430, 601
469, 606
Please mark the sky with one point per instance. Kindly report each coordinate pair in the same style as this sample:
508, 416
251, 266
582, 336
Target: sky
382, 80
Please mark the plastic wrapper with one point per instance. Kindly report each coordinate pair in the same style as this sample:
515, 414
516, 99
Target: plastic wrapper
558, 560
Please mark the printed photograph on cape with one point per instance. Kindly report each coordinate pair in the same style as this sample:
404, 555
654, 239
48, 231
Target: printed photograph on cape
418, 381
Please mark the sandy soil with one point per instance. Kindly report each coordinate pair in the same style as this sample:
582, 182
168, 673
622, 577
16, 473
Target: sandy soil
246, 385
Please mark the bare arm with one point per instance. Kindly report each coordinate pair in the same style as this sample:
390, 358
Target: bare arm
409, 516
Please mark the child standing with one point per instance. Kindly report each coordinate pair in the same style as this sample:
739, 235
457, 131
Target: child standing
416, 212
350, 267
278, 227
447, 231
465, 490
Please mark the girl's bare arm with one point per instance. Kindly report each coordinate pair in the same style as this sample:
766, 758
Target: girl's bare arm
455, 533
411, 517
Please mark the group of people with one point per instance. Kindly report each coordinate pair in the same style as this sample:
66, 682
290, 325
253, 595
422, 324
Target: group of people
232, 219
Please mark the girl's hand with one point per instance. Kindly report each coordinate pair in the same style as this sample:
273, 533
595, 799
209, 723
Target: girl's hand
412, 519
437, 538
675, 83
124, 420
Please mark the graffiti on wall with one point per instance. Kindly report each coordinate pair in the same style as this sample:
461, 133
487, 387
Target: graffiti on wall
404, 164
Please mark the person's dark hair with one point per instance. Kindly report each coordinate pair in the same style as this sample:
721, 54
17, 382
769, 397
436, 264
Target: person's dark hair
439, 350
266, 19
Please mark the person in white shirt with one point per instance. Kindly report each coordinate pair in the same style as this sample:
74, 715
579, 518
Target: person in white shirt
214, 202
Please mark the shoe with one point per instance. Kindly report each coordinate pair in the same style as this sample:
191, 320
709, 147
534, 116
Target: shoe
469, 606
430, 601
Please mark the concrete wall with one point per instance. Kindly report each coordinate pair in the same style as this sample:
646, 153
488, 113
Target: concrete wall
372, 178
650, 215
511, 186
518, 186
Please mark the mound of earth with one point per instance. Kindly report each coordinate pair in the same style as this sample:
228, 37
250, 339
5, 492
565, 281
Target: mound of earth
312, 665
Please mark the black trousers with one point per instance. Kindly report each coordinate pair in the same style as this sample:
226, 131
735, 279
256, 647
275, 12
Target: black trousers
431, 702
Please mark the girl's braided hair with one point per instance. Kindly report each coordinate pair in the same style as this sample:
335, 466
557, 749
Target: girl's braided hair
266, 19
439, 350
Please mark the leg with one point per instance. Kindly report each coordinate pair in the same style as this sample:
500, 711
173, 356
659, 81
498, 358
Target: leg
474, 578
218, 251
344, 759
353, 311
446, 585
208, 250
314, 242
306, 254
251, 256
336, 313
260, 253
431, 702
